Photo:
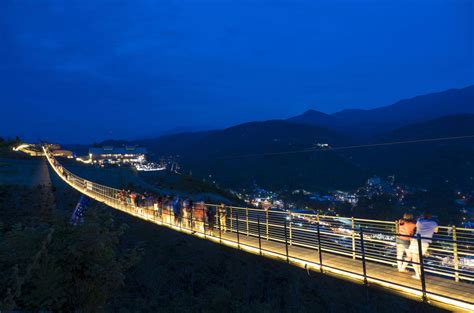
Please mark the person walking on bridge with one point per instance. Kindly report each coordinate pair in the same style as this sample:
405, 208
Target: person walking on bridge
177, 210
211, 218
405, 230
185, 213
190, 213
222, 214
167, 209
133, 197
159, 207
199, 215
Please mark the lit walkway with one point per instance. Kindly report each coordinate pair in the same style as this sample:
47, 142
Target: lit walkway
377, 274
366, 258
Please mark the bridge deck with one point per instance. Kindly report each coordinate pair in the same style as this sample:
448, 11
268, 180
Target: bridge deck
377, 273
439, 288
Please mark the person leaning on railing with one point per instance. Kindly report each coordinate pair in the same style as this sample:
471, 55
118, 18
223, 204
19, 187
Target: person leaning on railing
425, 229
405, 230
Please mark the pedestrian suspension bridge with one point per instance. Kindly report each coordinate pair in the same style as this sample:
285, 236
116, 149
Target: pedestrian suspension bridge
355, 249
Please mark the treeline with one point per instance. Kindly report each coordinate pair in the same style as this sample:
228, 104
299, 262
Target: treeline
48, 264
9, 142
6, 145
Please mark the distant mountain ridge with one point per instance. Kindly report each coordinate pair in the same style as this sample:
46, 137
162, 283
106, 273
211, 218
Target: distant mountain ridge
367, 123
262, 152
253, 137
222, 154
429, 164
457, 125
353, 122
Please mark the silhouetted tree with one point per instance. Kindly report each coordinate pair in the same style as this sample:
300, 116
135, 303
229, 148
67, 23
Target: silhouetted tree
51, 265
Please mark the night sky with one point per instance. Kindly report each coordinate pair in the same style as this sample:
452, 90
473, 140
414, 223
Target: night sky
86, 70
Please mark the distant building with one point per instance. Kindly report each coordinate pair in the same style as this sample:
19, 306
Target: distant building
59, 152
117, 155
63, 153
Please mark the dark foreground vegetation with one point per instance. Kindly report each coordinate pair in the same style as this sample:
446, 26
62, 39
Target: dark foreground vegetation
105, 266
6, 145
48, 264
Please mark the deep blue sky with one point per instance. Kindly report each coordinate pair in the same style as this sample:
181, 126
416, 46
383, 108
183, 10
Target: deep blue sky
85, 70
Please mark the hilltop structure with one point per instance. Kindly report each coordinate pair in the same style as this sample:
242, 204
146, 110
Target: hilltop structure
117, 155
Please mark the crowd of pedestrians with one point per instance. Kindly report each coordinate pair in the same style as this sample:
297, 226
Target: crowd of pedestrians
179, 211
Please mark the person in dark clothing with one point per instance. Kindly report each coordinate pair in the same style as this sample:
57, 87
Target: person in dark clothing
211, 218
159, 207
190, 215
177, 210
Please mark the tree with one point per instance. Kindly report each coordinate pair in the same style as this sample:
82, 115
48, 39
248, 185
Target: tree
48, 264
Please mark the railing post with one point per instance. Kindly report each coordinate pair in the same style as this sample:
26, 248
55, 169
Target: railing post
291, 227
231, 222
219, 225
397, 232
266, 222
259, 237
225, 219
319, 248
422, 269
455, 254
180, 218
238, 233
364, 268
191, 217
206, 227
247, 219
353, 239
286, 244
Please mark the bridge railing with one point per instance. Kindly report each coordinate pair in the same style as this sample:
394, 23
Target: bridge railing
364, 241
451, 252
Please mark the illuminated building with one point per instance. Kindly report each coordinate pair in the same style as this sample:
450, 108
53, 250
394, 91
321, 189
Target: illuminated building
117, 155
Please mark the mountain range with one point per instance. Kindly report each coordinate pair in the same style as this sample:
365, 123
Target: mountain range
370, 123
266, 152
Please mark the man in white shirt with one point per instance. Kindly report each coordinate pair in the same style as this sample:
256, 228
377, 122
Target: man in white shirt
425, 228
